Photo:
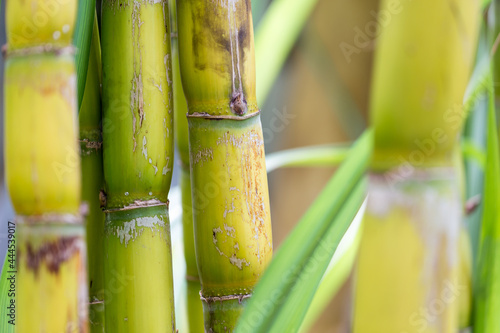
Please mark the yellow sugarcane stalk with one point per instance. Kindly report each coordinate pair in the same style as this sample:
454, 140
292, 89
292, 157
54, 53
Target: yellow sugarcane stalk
409, 260
232, 226
43, 166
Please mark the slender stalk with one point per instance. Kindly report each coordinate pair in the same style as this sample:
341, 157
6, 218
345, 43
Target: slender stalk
409, 262
232, 226
138, 158
43, 167
194, 306
93, 181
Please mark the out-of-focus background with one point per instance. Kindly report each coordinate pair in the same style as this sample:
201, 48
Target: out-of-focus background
321, 97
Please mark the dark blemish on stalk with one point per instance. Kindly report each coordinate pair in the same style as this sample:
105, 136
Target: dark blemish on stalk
211, 31
102, 199
238, 103
53, 254
242, 38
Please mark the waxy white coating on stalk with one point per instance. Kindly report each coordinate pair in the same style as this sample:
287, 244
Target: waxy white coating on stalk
431, 217
230, 232
130, 229
203, 155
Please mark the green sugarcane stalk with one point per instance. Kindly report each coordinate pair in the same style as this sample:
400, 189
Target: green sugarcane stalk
43, 167
138, 161
93, 181
409, 262
232, 226
194, 307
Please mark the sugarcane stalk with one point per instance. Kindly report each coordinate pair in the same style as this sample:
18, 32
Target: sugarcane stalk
232, 227
409, 262
93, 181
138, 158
43, 166
193, 303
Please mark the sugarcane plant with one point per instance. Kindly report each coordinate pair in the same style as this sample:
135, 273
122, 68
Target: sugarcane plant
409, 262
43, 166
93, 181
194, 307
232, 227
138, 162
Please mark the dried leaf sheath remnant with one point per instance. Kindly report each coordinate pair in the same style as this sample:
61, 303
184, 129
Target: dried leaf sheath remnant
232, 225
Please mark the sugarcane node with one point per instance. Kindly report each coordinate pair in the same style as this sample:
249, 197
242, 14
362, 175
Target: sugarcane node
238, 104
221, 117
91, 144
49, 219
96, 301
213, 299
39, 49
139, 204
53, 254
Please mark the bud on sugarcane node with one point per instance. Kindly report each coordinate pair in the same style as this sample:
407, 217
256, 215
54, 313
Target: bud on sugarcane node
232, 225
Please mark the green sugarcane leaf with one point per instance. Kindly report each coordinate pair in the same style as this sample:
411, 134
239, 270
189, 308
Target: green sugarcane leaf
323, 155
275, 37
472, 152
5, 299
292, 312
337, 273
334, 208
82, 41
487, 287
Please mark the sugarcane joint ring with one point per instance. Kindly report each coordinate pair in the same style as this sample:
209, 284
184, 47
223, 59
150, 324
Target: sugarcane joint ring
221, 117
139, 204
39, 49
50, 219
404, 174
213, 299
91, 144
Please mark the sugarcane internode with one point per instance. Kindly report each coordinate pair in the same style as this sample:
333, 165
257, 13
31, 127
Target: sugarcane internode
232, 226
138, 158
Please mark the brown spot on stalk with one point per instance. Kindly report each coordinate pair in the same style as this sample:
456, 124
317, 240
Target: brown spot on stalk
53, 254
102, 199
